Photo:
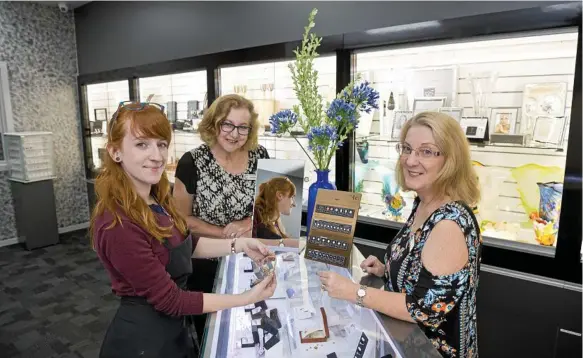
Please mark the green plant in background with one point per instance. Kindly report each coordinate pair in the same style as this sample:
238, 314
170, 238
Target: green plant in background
326, 130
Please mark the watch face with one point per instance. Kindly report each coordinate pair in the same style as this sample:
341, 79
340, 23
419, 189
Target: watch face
360, 292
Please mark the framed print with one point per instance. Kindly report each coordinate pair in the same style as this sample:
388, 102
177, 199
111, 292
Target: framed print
100, 114
454, 112
422, 104
549, 129
439, 81
399, 119
503, 120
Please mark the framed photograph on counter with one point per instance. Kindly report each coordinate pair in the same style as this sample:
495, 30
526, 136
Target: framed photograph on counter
503, 120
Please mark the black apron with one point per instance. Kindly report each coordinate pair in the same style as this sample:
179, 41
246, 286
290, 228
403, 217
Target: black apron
138, 330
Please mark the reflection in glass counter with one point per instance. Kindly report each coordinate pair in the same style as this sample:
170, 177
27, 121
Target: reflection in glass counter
300, 319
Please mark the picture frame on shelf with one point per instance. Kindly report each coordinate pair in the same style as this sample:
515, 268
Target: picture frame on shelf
475, 128
439, 81
503, 120
549, 130
100, 114
454, 112
399, 119
542, 99
422, 104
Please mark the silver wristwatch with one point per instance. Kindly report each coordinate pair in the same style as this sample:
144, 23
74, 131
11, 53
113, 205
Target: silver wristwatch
360, 295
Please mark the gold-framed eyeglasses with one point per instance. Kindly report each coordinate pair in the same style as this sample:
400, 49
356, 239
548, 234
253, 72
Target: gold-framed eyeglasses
228, 127
422, 152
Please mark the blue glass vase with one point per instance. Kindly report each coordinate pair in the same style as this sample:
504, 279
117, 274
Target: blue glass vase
322, 182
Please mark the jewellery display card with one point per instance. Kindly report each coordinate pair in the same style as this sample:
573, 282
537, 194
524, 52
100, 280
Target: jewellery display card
332, 228
305, 322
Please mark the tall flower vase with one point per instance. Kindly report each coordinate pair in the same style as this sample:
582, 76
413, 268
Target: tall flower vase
322, 182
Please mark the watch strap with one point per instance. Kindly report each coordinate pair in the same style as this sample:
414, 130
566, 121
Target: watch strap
359, 299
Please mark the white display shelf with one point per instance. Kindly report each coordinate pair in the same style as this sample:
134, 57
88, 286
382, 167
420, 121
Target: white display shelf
30, 156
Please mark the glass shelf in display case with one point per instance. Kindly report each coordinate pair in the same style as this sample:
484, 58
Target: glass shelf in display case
270, 87
102, 101
520, 83
183, 96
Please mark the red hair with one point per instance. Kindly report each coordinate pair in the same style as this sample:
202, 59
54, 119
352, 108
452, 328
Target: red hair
115, 191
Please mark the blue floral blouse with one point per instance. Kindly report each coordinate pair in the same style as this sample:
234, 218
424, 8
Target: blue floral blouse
443, 306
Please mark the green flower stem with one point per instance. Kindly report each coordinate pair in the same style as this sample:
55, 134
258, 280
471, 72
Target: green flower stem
301, 146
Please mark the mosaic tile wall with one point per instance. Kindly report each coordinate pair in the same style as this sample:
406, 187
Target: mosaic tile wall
38, 44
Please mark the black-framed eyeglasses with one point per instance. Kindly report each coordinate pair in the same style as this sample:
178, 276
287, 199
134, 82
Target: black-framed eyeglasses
228, 127
134, 106
423, 152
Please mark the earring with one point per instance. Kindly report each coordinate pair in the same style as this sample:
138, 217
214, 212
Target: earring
117, 159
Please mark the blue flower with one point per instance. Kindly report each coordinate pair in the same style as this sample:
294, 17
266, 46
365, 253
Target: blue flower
322, 138
282, 121
364, 96
343, 113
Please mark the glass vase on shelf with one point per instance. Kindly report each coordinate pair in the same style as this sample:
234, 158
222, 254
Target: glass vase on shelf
322, 182
482, 85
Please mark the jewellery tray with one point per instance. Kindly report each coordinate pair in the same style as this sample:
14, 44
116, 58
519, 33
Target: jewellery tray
332, 228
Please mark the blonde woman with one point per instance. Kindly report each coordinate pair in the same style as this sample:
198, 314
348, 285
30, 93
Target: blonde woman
276, 197
432, 265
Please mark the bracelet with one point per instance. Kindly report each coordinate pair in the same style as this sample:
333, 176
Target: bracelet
233, 246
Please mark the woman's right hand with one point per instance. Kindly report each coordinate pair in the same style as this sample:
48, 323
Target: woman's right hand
373, 265
261, 291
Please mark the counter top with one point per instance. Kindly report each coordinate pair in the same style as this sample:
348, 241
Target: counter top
407, 338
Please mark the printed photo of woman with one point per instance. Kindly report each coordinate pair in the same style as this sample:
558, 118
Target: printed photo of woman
275, 197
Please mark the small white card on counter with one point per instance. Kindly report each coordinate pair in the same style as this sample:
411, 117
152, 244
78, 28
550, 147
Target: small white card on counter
302, 312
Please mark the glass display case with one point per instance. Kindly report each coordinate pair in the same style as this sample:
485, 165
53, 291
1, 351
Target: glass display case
511, 94
301, 320
270, 86
102, 102
184, 96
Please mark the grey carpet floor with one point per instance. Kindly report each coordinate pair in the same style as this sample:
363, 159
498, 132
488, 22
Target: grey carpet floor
55, 301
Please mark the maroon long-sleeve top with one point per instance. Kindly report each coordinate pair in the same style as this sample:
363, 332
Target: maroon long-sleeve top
136, 264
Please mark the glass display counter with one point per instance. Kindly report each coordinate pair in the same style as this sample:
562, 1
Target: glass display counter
517, 89
302, 320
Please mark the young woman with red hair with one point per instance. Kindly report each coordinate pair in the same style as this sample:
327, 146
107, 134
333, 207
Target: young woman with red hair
145, 245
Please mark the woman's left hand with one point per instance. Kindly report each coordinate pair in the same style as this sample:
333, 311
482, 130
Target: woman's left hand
256, 250
237, 229
338, 286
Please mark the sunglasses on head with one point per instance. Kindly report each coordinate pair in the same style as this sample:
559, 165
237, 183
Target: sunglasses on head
134, 106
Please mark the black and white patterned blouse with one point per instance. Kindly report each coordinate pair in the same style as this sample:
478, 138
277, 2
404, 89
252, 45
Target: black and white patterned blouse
219, 196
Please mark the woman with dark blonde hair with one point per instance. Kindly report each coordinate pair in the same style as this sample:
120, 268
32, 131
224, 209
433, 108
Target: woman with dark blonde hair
276, 197
215, 183
432, 265
145, 245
